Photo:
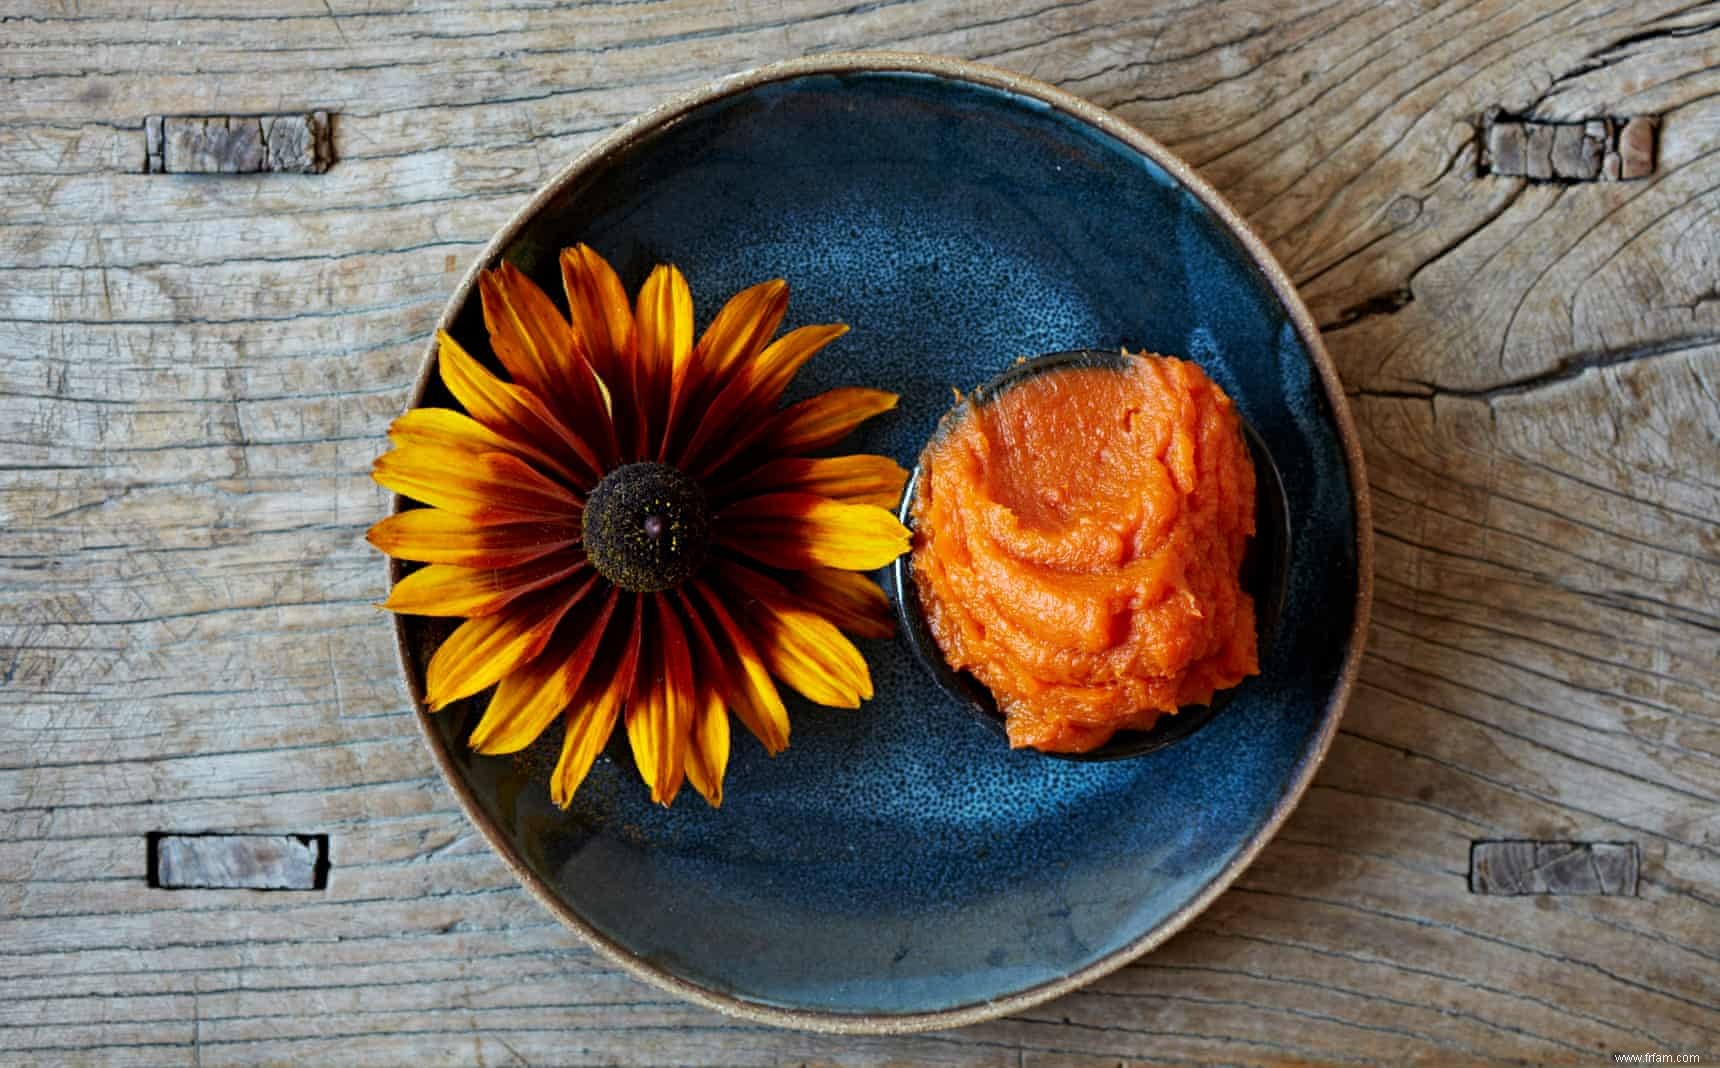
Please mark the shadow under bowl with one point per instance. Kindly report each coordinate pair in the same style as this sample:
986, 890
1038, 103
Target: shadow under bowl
1265, 574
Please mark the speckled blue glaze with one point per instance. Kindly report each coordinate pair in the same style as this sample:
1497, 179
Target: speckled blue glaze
899, 859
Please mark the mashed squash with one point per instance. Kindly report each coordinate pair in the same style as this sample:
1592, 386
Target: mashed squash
1078, 542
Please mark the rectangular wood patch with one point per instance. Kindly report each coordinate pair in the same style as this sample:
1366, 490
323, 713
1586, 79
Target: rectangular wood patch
238, 861
238, 144
1593, 150
1525, 867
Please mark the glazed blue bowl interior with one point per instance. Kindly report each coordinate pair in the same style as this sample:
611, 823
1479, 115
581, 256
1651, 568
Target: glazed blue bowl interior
899, 859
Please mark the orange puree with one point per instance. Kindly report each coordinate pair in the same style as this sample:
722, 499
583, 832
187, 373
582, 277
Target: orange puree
1077, 546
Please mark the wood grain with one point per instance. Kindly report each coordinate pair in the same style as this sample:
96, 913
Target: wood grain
195, 374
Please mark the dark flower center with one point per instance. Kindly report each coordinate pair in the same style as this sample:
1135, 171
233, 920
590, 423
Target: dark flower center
646, 526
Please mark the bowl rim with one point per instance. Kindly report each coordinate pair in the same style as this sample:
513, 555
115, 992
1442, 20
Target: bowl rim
967, 71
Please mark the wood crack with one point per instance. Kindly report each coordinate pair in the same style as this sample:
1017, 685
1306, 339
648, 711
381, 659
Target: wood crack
1619, 50
1564, 1010
1396, 300
1564, 370
1388, 303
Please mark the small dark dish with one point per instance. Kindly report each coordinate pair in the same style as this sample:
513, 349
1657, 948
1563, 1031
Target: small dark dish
1265, 571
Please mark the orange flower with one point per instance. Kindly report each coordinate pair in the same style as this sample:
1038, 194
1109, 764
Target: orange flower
631, 528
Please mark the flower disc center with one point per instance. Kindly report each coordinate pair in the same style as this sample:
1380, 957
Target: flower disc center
646, 527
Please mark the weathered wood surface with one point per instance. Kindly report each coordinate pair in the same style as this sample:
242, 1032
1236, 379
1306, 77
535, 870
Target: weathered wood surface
195, 373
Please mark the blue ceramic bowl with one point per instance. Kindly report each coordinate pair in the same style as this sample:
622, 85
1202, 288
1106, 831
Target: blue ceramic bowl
897, 869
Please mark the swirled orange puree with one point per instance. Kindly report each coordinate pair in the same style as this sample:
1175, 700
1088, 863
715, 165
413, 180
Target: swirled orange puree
1077, 546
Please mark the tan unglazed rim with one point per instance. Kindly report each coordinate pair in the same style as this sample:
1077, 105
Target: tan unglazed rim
957, 70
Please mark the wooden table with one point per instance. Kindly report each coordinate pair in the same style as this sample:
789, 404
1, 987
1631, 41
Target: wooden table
195, 372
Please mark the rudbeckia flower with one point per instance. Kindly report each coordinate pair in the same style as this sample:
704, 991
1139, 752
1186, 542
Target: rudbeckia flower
634, 530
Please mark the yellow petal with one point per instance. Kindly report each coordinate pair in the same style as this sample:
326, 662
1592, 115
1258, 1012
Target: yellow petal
530, 698
753, 388
448, 428
660, 709
446, 590
743, 327
433, 536
602, 317
538, 348
588, 731
848, 599
856, 479
827, 418
489, 487
527, 334
518, 415
591, 720
708, 748
777, 365
666, 353
665, 325
482, 650
796, 530
665, 319
802, 648
738, 670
